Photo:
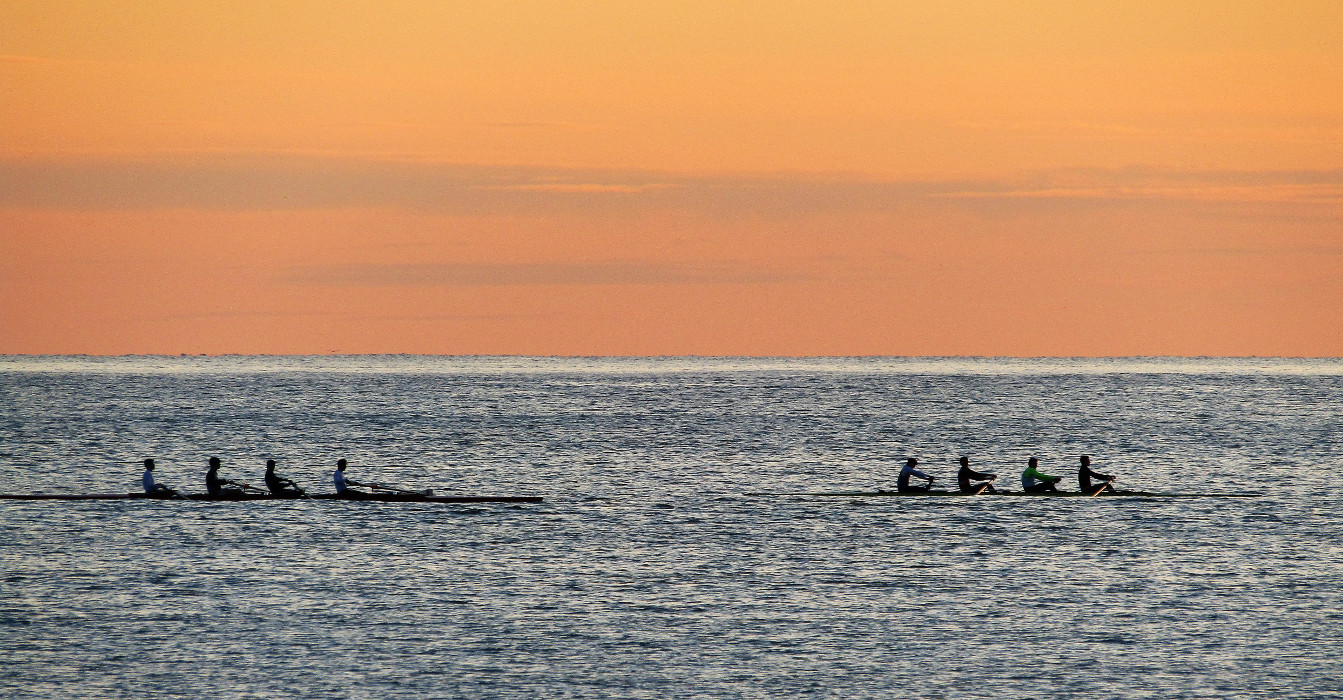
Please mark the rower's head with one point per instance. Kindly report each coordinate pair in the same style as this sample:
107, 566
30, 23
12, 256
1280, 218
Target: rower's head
965, 461
149, 464
1032, 462
270, 465
340, 464
1086, 460
214, 463
911, 462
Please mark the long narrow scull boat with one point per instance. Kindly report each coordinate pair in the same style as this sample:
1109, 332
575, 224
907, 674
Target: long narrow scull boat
1046, 494
377, 497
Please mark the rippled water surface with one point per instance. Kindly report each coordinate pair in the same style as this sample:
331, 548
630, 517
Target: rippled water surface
648, 571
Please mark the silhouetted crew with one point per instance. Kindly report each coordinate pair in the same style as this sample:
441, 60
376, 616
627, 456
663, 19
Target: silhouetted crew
279, 485
215, 485
343, 485
902, 484
1035, 481
966, 475
152, 488
1085, 475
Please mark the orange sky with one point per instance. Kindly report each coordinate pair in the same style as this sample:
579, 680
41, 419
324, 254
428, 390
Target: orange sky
985, 178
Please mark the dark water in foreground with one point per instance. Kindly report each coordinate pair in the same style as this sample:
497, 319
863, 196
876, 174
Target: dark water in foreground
648, 572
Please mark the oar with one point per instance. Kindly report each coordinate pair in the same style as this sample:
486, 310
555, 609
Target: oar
291, 486
426, 492
245, 486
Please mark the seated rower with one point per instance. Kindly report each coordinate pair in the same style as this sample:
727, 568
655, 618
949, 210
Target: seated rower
343, 485
1085, 475
1035, 481
215, 485
279, 485
966, 476
151, 488
902, 484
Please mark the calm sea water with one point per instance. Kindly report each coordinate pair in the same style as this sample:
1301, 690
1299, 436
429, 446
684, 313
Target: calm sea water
648, 572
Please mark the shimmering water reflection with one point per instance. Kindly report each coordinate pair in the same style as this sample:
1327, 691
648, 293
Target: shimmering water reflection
647, 572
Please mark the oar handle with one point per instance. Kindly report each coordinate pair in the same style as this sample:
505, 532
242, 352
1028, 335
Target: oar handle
245, 486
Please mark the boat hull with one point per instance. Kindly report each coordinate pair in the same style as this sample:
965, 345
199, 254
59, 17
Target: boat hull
373, 497
1043, 494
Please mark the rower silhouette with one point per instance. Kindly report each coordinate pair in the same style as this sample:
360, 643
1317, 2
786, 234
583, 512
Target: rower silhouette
280, 486
902, 484
151, 488
982, 481
343, 485
1085, 475
1035, 481
216, 486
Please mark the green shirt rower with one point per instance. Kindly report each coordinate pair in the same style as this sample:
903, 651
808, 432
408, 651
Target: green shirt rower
1035, 481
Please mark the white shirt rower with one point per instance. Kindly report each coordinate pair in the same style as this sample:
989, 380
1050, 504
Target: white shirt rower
339, 477
147, 480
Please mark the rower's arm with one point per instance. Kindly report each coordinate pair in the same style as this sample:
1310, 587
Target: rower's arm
1096, 475
1033, 473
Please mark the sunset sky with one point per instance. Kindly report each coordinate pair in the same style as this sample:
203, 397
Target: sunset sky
668, 178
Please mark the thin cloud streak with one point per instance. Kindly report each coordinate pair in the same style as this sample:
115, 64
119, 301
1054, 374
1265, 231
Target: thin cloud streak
345, 316
584, 188
532, 274
1324, 193
1246, 252
249, 182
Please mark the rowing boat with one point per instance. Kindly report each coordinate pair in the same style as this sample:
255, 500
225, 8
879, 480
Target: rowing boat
379, 497
1044, 494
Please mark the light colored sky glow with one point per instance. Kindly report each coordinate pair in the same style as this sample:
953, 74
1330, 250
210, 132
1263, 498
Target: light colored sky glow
631, 178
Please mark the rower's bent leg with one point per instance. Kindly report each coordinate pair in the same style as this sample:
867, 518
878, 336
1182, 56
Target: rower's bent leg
1093, 490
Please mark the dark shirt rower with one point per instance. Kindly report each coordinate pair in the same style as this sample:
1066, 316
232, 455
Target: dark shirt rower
215, 485
279, 485
1085, 475
966, 475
